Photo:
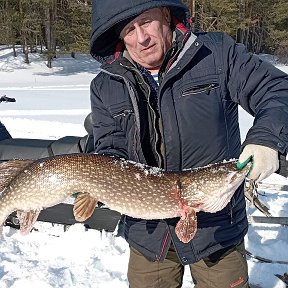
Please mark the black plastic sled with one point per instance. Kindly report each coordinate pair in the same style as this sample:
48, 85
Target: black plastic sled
17, 148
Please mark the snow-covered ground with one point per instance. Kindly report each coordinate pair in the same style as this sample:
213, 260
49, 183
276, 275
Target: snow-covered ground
52, 103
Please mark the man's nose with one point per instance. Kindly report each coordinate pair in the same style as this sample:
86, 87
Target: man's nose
141, 34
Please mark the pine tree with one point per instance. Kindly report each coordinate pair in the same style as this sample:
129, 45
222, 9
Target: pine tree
278, 30
65, 25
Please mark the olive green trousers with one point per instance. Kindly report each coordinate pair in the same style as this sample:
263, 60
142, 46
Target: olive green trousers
223, 269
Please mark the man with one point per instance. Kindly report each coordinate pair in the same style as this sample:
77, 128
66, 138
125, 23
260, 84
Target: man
169, 98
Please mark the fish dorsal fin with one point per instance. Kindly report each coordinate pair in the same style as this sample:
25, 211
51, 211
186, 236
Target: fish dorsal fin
84, 206
10, 169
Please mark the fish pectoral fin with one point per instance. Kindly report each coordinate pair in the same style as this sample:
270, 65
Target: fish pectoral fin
84, 206
27, 220
187, 226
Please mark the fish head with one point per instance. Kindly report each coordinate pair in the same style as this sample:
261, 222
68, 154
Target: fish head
211, 188
235, 176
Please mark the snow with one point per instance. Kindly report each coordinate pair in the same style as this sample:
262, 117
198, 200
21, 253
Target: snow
52, 103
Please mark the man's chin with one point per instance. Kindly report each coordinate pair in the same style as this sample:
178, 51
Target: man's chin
151, 62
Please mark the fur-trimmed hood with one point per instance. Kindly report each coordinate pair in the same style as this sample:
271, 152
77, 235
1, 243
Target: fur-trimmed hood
109, 13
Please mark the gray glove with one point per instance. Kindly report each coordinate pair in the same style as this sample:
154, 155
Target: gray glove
265, 161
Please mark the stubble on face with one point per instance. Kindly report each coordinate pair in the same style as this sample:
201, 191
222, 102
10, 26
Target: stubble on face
148, 37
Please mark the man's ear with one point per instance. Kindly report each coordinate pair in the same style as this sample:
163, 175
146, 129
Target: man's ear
167, 14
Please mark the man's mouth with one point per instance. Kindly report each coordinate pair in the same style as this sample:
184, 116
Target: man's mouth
149, 48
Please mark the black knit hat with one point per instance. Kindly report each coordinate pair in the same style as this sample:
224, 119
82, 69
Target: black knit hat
109, 17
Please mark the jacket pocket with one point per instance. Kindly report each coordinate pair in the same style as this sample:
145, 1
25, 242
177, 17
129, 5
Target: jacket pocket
122, 113
120, 109
200, 88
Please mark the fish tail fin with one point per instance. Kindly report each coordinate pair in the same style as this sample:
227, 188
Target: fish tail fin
10, 169
84, 206
27, 220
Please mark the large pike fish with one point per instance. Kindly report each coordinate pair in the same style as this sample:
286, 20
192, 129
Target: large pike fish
130, 188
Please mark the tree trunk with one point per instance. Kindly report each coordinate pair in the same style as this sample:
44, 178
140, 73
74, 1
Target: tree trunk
193, 13
50, 33
26, 52
240, 32
14, 50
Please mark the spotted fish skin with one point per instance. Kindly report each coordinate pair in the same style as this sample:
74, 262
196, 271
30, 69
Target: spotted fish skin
130, 188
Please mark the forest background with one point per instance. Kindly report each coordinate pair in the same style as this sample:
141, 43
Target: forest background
64, 26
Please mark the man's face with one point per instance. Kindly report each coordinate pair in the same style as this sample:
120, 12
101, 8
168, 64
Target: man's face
148, 37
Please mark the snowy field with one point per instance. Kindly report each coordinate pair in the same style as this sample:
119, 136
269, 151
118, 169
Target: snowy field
52, 103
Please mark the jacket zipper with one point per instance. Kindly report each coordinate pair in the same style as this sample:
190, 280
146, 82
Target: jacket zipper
135, 106
123, 113
153, 112
200, 89
157, 138
163, 82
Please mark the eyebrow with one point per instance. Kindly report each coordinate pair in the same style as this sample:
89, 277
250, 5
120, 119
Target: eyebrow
141, 17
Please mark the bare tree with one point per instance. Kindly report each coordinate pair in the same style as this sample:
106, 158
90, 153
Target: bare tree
50, 13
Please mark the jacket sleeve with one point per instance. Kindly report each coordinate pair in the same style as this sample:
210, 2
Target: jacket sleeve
109, 139
262, 90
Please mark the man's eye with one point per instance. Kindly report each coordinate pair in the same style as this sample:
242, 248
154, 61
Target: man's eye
130, 31
146, 23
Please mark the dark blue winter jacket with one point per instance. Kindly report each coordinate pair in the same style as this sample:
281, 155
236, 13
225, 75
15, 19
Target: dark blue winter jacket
197, 123
4, 134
